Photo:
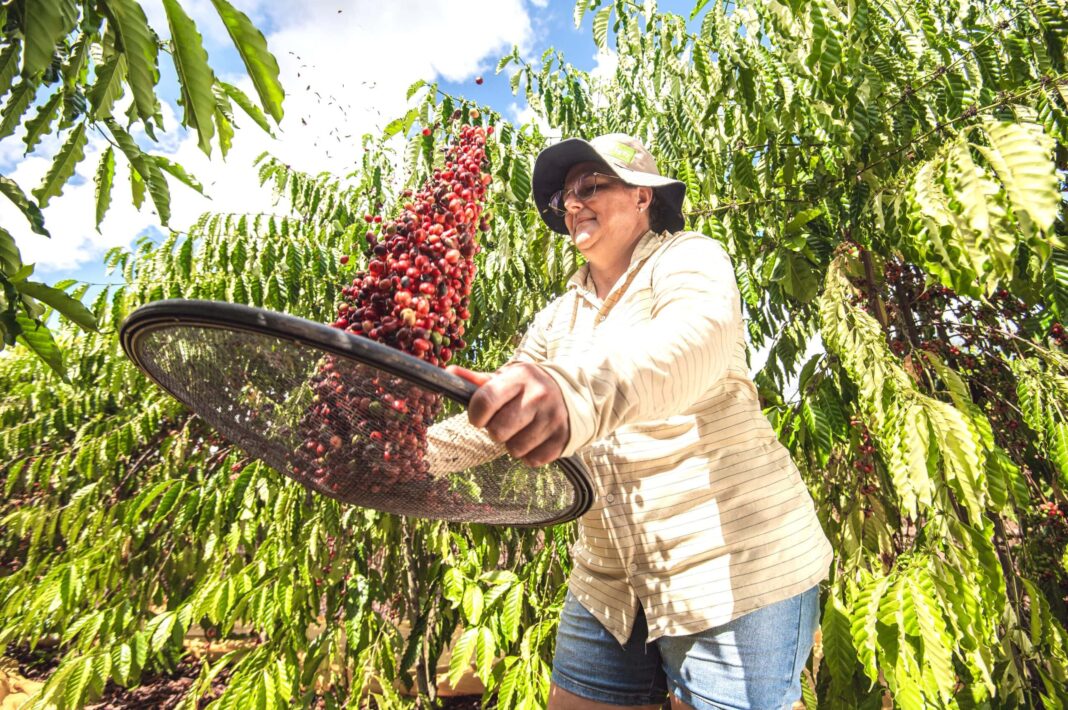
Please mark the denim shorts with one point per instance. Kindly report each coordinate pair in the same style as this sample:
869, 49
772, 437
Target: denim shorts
754, 661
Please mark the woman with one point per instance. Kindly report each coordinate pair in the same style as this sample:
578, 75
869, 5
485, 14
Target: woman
696, 569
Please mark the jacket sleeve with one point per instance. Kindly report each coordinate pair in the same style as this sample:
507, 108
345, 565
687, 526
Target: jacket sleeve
453, 444
533, 347
663, 365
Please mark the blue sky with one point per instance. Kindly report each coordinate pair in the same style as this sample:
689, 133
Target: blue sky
346, 65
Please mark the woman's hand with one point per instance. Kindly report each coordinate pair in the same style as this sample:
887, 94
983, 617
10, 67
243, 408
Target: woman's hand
521, 407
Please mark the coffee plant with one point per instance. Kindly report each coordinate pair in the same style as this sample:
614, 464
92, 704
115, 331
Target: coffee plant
889, 180
48, 51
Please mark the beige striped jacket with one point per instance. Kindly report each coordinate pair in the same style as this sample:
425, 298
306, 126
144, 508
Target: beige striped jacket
700, 514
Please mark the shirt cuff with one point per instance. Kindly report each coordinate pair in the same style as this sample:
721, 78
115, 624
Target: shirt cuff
580, 414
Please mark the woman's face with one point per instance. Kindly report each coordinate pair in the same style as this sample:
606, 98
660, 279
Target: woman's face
609, 222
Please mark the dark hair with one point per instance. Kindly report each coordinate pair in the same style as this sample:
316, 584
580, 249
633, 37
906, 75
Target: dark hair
660, 215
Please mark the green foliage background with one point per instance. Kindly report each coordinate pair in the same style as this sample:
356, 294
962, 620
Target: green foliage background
825, 144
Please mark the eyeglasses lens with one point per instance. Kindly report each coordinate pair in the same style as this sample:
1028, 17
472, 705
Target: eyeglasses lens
584, 189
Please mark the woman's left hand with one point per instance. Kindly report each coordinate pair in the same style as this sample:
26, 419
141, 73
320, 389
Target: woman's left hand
522, 407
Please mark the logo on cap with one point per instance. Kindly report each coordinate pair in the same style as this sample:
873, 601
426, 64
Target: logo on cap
623, 153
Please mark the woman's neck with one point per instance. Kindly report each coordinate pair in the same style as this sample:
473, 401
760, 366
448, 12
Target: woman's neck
606, 269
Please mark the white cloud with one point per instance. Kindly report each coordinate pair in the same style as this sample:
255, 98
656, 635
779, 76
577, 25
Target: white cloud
605, 63
345, 66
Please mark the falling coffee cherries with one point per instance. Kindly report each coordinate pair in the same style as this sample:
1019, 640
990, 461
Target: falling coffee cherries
366, 428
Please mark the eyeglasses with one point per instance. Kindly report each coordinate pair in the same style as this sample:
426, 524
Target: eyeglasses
584, 190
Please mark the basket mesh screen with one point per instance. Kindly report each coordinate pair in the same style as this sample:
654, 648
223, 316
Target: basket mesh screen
349, 430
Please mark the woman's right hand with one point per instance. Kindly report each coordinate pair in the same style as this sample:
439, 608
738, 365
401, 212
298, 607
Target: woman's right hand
522, 407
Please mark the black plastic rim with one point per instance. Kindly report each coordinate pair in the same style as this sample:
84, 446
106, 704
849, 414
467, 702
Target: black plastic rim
161, 315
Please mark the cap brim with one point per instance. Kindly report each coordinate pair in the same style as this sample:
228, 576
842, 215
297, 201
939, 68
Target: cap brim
553, 164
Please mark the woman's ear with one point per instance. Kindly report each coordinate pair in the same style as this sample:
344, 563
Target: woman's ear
645, 198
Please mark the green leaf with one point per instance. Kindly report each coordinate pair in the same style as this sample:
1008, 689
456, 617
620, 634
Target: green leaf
76, 66
744, 177
580, 11
39, 339
21, 274
796, 275
519, 181
461, 655
512, 611
121, 663
63, 166
1058, 435
195, 77
137, 189
77, 683
9, 63
472, 603
10, 189
47, 23
454, 584
393, 128
167, 503
937, 642
826, 46
146, 172
141, 51
1056, 283
485, 651
800, 219
172, 168
864, 616
108, 86
241, 99
140, 647
416, 85
105, 178
10, 257
816, 423
506, 690
260, 63
69, 307
838, 651
226, 130
970, 191
160, 629
961, 455
41, 125
907, 455
1020, 155
600, 26
697, 8
20, 100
